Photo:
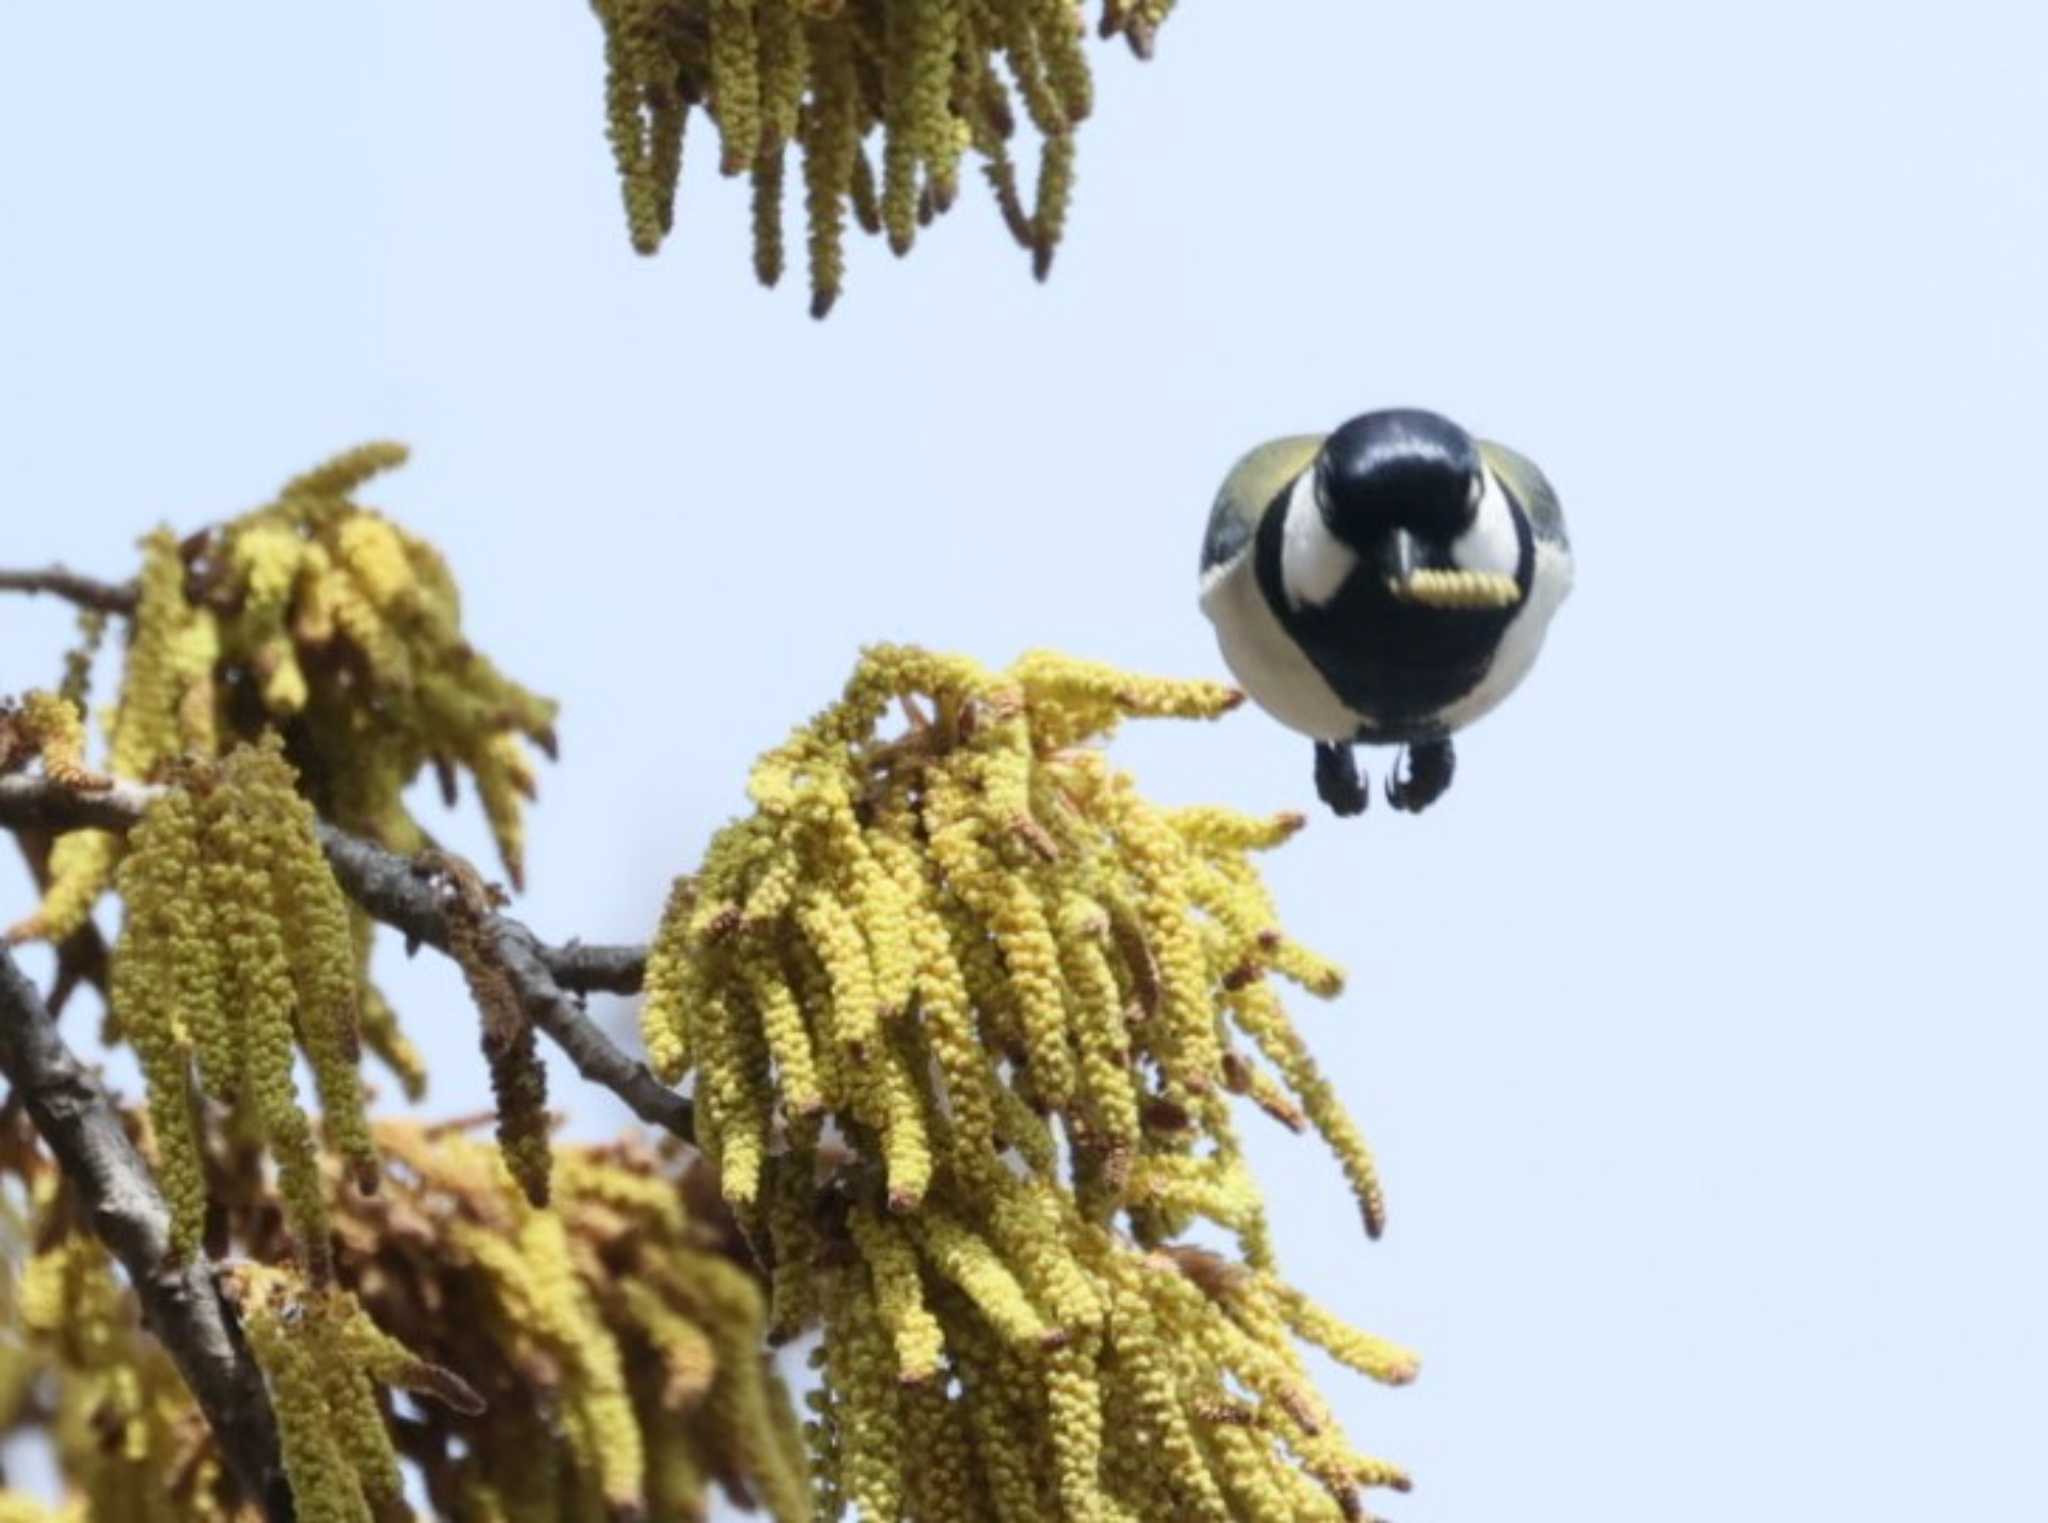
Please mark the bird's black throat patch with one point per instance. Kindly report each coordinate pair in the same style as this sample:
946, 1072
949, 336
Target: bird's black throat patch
1397, 665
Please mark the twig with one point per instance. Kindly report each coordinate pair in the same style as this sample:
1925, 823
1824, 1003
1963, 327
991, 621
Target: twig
397, 891
107, 597
181, 1303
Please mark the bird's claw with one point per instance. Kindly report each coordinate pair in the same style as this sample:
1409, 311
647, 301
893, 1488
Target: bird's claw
1337, 781
1430, 764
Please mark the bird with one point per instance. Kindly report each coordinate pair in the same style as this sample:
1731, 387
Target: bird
1384, 584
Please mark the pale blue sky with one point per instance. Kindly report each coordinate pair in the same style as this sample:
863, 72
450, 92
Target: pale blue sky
1698, 1029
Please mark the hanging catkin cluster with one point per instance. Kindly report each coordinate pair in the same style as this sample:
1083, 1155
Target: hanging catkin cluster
1022, 997
319, 619
600, 1359
235, 958
937, 77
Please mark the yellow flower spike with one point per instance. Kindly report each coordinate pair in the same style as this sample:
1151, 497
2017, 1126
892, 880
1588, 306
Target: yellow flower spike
359, 1431
1211, 829
1156, 859
784, 64
899, 1299
1376, 1358
856, 1003
767, 201
1049, 208
966, 1258
880, 912
742, 1411
504, 778
862, 1372
241, 858
734, 1098
772, 894
672, 987
796, 1243
313, 918
195, 653
887, 1096
1019, 36
943, 1006
735, 82
831, 138
1144, 1367
1074, 1417
1099, 1028
374, 555
940, 1475
337, 478
56, 728
323, 1485
1258, 1014
1026, 1219
1259, 1486
1059, 29
1218, 1188
145, 730
566, 1318
641, 117
997, 1396
1031, 957
145, 989
688, 1359
82, 863
782, 1026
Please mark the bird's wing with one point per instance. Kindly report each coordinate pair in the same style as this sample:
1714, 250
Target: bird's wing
1253, 483
1531, 487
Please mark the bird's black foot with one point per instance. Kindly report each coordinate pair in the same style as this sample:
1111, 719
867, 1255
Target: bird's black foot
1337, 781
1430, 764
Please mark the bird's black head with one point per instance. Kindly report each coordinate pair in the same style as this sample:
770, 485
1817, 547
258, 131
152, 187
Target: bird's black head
1399, 469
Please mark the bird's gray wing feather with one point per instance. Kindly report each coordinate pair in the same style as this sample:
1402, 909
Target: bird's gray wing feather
1531, 488
1253, 483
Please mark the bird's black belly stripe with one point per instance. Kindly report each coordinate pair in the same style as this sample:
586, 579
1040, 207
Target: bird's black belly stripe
1396, 665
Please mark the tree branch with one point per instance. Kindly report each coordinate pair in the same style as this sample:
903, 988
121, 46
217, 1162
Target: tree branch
402, 894
181, 1303
107, 597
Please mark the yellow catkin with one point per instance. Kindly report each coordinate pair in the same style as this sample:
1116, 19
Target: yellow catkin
146, 989
823, 74
783, 65
1010, 976
1049, 209
966, 1258
665, 1013
782, 1024
767, 182
735, 82
323, 1483
899, 1299
862, 1370
241, 850
831, 134
57, 730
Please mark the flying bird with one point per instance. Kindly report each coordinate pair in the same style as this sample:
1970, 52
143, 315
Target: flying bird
1385, 584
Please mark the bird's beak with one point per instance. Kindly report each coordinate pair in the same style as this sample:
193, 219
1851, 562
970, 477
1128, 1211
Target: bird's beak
1401, 558
1410, 581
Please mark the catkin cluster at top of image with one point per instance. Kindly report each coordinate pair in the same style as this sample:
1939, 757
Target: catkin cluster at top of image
320, 620
938, 77
595, 1359
966, 1015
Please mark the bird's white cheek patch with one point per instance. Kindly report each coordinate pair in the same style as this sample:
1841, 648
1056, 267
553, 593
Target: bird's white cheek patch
1313, 561
1491, 544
